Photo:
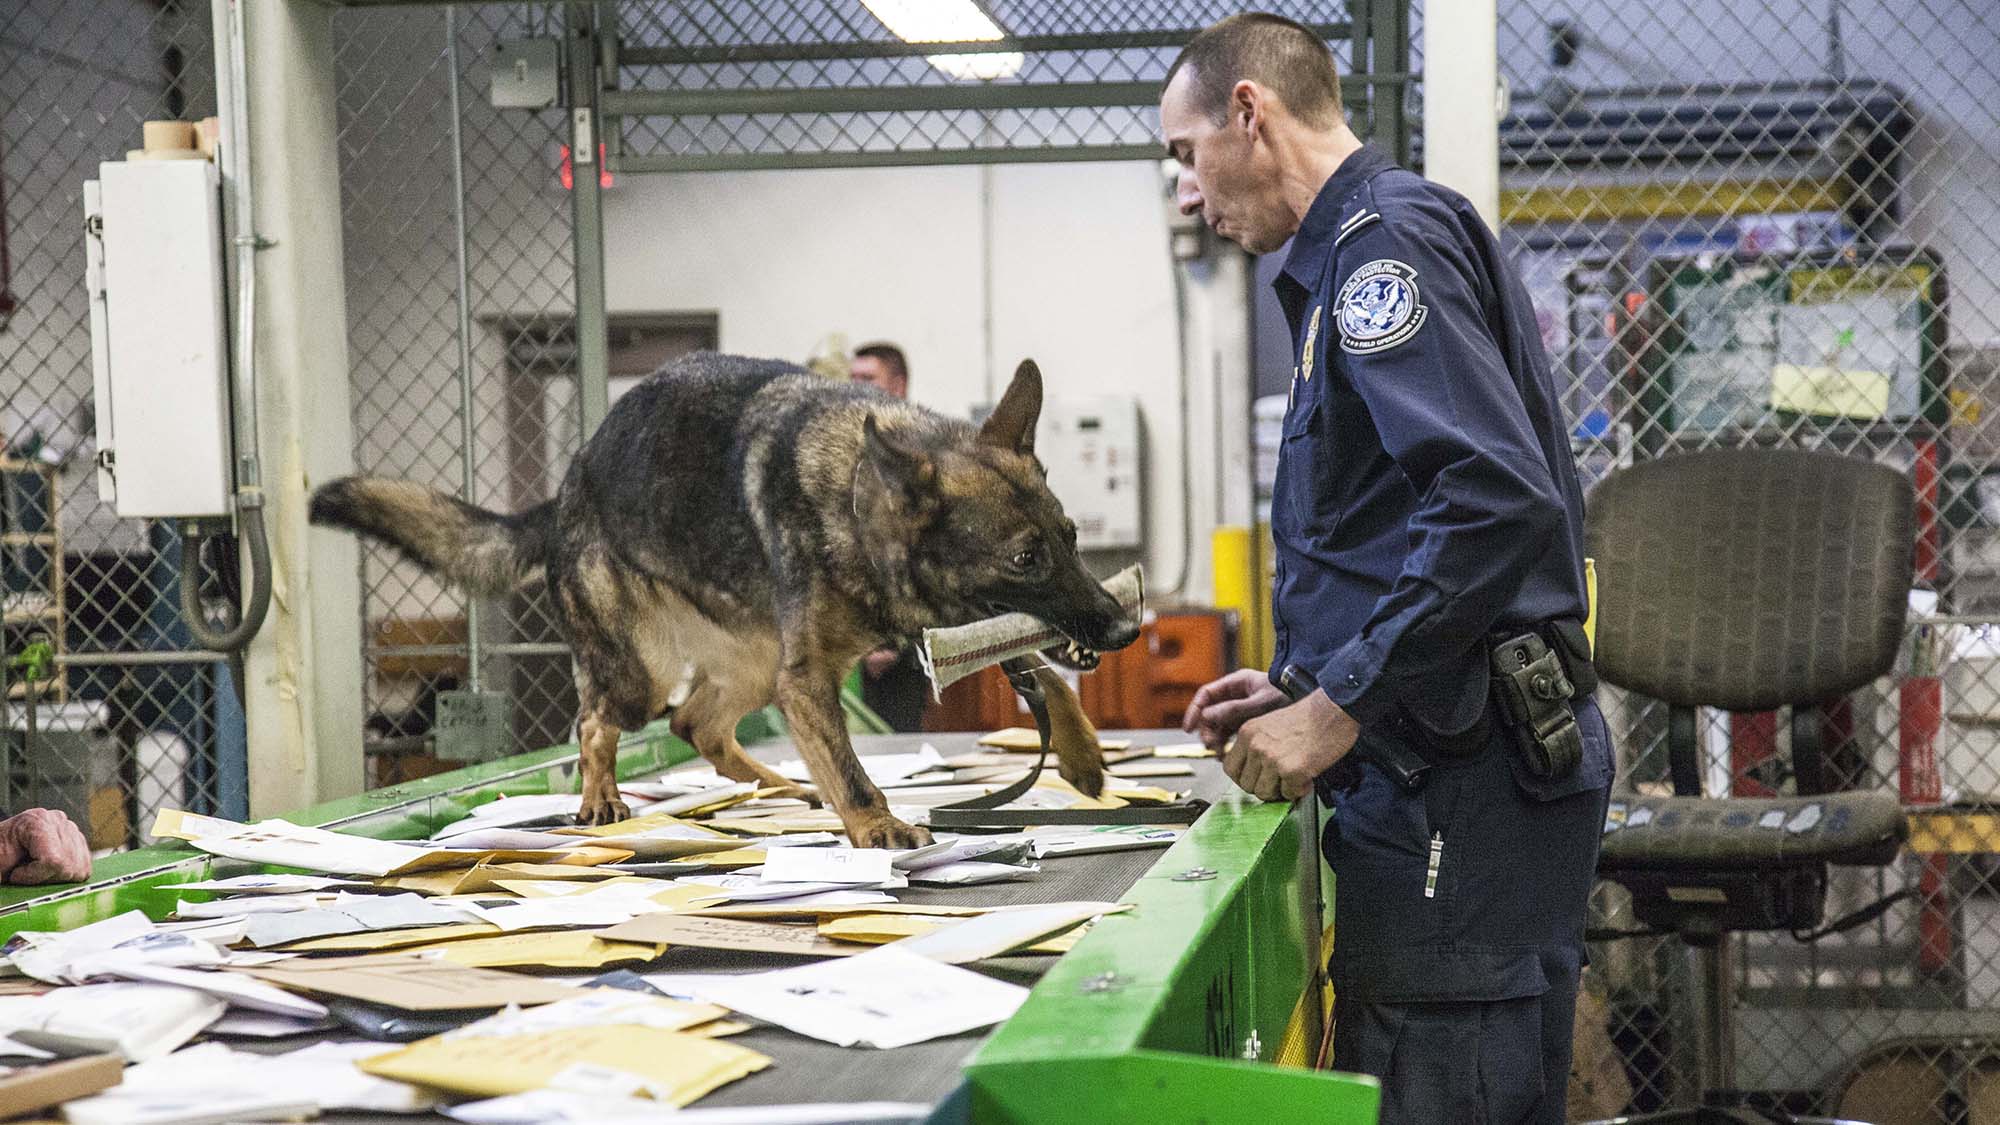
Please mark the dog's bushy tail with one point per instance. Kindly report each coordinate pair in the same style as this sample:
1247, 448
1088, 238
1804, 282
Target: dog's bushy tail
484, 552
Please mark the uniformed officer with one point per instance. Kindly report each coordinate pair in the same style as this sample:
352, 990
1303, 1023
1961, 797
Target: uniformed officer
1426, 516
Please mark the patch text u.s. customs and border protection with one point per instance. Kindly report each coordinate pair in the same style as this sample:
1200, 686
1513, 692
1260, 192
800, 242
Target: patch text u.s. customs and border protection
1379, 307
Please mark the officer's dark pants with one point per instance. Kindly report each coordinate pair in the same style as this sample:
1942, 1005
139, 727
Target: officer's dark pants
898, 694
1460, 997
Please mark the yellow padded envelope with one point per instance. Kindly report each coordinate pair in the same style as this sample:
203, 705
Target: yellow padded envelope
671, 1066
558, 949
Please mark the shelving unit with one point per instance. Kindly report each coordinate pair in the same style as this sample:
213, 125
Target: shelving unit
32, 581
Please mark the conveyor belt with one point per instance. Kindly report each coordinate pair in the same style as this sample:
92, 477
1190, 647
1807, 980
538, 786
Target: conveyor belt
807, 1070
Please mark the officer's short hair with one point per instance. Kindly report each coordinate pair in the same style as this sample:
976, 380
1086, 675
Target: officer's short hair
890, 355
1283, 56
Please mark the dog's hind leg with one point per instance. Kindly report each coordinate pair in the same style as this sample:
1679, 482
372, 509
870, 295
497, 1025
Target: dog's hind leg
714, 738
599, 744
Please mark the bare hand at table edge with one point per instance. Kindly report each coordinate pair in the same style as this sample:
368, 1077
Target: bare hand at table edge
43, 846
1279, 748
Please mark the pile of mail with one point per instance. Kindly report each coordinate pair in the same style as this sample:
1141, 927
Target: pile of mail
474, 973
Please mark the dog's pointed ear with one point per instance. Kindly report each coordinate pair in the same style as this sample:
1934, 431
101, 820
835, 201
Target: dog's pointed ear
1011, 426
903, 468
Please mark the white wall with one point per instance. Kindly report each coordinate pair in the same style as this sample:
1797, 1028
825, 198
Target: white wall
1081, 281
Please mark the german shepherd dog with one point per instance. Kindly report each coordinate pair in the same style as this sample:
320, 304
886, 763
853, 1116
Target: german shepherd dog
743, 530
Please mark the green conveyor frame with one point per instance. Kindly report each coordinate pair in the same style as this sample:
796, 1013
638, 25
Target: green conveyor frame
1168, 1013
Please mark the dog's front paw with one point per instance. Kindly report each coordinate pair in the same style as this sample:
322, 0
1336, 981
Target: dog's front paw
599, 810
1086, 773
886, 832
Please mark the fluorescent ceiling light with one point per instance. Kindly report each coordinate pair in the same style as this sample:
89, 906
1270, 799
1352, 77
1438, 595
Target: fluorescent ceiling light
949, 21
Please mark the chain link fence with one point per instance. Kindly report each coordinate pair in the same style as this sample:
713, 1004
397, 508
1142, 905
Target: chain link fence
460, 294
1779, 224
131, 718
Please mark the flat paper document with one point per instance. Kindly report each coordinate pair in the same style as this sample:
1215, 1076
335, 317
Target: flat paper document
46, 954
827, 905
190, 1107
1101, 838
174, 824
506, 812
595, 1007
993, 849
560, 949
729, 933
267, 884
720, 797
882, 998
949, 655
658, 846
161, 948
241, 1023
511, 839
750, 888
880, 929
669, 1066
882, 769
691, 987
215, 931
411, 984
564, 1107
353, 914
320, 1077
799, 840
676, 784
379, 940
1136, 793
231, 988
1150, 769
1027, 739
787, 821
246, 906
138, 1021
290, 845
827, 865
971, 872
567, 912
991, 935
624, 886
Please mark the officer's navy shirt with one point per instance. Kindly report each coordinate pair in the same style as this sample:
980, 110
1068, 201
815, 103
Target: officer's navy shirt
1425, 495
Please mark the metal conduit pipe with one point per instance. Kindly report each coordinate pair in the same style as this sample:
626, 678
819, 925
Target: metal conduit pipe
238, 625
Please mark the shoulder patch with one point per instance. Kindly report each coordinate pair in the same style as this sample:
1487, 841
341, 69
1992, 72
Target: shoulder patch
1379, 307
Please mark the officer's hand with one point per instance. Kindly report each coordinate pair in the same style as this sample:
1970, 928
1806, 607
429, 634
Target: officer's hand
1225, 704
1279, 754
43, 846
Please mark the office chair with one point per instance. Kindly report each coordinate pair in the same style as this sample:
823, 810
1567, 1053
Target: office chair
1745, 580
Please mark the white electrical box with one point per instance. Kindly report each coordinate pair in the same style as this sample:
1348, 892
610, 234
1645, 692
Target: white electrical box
158, 337
1091, 450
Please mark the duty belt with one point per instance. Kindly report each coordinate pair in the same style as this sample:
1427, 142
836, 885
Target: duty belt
1534, 682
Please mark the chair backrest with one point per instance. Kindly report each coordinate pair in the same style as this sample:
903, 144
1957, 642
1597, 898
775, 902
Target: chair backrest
1750, 579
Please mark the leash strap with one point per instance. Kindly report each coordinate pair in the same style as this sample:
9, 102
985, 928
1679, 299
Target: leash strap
986, 811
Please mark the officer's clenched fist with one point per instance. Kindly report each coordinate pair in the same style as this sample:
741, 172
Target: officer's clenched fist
1278, 754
